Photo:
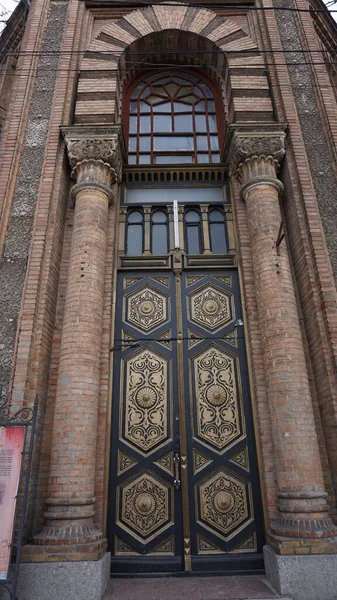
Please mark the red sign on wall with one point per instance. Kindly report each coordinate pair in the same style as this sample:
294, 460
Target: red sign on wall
11, 447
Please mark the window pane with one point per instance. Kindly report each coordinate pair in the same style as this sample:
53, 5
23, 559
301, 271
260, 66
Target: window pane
173, 159
190, 99
172, 88
216, 215
159, 90
144, 159
145, 125
198, 92
163, 123
136, 91
145, 92
173, 143
212, 123
214, 142
200, 122
132, 144
145, 143
135, 217
193, 239
192, 216
202, 158
200, 106
159, 239
134, 244
144, 107
133, 125
159, 216
153, 99
133, 107
218, 238
132, 159
206, 90
166, 107
180, 107
202, 142
183, 123
215, 157
184, 90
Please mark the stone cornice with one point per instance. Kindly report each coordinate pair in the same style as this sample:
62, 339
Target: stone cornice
94, 150
255, 150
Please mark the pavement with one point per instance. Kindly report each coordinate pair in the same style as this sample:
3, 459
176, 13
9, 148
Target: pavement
190, 588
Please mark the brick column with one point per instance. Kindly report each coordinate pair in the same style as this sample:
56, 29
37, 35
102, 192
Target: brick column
96, 162
254, 157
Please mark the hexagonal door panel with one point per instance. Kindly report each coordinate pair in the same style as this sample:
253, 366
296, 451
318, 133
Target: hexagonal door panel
215, 398
225, 503
145, 411
146, 309
144, 506
211, 308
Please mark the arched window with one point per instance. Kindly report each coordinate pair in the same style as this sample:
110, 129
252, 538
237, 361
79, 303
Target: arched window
134, 233
193, 238
217, 231
159, 232
172, 120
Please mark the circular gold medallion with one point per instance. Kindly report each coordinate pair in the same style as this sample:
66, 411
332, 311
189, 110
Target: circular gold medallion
210, 306
146, 397
216, 395
145, 503
223, 501
146, 308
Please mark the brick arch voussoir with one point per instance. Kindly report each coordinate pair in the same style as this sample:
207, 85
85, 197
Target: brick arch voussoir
224, 32
245, 91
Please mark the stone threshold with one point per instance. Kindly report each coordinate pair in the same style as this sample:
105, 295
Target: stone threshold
241, 587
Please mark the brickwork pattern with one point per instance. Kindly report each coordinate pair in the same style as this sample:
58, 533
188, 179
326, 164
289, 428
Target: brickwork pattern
308, 245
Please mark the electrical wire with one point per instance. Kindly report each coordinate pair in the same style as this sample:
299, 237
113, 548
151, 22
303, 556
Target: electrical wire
156, 66
96, 53
234, 7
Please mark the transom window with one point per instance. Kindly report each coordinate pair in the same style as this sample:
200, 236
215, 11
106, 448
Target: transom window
194, 230
172, 120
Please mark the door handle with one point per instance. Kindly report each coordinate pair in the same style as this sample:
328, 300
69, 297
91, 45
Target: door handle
176, 460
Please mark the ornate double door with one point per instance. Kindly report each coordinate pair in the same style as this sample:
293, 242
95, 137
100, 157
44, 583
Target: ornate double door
184, 489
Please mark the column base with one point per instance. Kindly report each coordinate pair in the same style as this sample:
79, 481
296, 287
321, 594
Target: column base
301, 546
302, 577
60, 580
63, 551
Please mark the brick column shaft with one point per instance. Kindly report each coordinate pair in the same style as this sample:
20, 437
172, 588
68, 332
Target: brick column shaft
303, 510
71, 501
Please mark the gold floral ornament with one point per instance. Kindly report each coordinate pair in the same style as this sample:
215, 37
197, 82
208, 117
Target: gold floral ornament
216, 398
145, 505
146, 309
146, 416
224, 502
211, 308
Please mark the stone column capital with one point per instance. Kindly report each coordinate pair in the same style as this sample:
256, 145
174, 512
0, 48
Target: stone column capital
95, 154
255, 152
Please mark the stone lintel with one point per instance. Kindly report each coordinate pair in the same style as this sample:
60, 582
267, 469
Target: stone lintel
95, 153
255, 151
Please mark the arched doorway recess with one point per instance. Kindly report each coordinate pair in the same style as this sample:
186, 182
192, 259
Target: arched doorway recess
184, 486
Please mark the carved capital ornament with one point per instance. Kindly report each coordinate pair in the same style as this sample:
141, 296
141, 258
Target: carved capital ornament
255, 153
95, 154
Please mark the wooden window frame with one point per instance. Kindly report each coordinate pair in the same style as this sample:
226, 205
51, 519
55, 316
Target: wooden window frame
153, 153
